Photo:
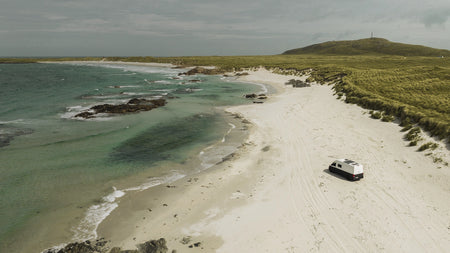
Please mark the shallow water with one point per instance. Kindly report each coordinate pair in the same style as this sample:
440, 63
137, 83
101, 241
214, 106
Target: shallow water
58, 172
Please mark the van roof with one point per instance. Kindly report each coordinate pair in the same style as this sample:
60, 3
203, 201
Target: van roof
348, 161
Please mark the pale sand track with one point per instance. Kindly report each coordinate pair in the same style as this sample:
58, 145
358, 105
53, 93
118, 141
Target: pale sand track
278, 196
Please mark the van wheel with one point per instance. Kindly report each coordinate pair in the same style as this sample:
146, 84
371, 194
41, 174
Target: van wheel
331, 170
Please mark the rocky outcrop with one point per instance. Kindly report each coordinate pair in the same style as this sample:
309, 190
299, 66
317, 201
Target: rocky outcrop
298, 83
204, 71
134, 105
99, 246
154, 246
256, 96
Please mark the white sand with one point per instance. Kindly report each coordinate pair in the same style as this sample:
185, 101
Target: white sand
277, 195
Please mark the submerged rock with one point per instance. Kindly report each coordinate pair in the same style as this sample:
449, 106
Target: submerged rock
7, 134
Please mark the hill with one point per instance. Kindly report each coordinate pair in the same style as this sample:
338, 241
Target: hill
369, 46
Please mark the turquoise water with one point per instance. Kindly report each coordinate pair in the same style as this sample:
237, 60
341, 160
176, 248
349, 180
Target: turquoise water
60, 175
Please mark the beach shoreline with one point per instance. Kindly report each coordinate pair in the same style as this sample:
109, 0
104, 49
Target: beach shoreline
212, 138
148, 64
400, 206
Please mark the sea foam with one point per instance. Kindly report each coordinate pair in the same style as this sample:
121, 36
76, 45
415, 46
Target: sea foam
87, 229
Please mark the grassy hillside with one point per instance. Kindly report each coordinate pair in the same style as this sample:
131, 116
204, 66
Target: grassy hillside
369, 46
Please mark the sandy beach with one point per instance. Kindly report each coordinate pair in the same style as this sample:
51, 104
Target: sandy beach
276, 193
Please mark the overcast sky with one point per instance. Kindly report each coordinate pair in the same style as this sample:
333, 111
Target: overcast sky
211, 27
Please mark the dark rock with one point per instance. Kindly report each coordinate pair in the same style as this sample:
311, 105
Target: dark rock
242, 74
197, 244
81, 247
258, 96
258, 102
159, 102
201, 70
86, 115
134, 105
137, 101
154, 246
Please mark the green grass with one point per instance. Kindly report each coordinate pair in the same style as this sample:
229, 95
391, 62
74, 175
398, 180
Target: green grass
428, 145
387, 118
375, 115
413, 136
369, 46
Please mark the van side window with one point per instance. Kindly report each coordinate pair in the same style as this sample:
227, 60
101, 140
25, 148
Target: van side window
340, 166
333, 164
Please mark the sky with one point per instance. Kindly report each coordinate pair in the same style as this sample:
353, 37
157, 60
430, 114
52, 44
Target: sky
211, 27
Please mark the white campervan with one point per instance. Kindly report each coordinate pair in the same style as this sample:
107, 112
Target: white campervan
347, 168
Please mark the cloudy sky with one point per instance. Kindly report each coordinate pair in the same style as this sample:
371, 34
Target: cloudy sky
211, 27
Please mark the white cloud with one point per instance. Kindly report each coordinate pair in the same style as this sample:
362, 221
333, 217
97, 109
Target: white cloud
238, 24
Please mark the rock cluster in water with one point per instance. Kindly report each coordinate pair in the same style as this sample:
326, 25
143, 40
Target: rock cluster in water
257, 98
99, 246
134, 105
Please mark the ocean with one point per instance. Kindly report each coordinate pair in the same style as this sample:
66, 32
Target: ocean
61, 175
